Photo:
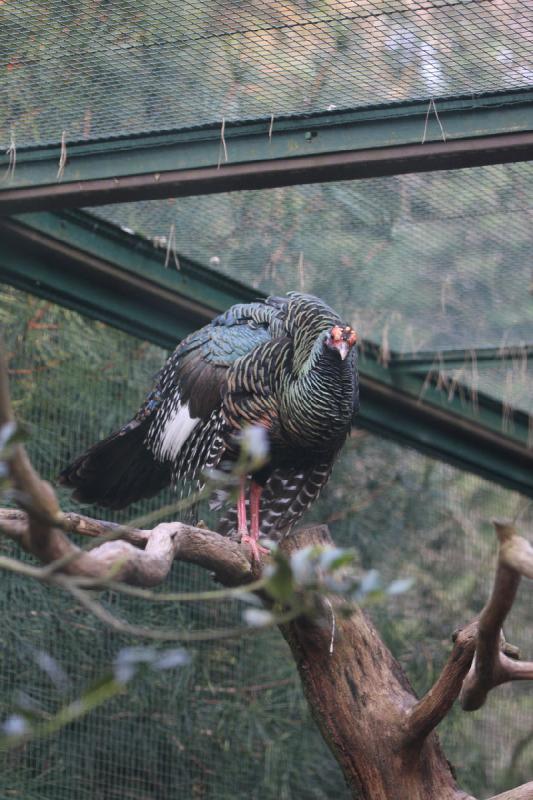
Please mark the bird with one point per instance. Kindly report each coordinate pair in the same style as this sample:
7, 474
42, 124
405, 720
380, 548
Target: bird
287, 365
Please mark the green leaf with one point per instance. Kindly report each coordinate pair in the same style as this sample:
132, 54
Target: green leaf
257, 617
333, 558
280, 584
399, 586
13, 433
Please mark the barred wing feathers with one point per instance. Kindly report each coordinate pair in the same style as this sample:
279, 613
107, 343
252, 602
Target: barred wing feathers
269, 363
177, 431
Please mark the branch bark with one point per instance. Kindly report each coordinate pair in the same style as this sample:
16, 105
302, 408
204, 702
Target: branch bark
524, 792
360, 697
480, 658
14, 522
123, 560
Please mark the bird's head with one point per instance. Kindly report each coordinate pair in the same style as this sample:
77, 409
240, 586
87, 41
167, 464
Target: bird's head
341, 339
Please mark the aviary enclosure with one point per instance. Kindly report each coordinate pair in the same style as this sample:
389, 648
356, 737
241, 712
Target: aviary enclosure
161, 161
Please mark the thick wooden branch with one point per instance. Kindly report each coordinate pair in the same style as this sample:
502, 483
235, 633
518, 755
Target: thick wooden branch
14, 522
123, 560
359, 697
479, 661
491, 667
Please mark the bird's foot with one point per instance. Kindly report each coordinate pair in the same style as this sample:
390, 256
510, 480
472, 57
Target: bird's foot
255, 547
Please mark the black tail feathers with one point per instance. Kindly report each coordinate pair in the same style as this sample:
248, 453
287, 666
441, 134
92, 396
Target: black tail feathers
117, 471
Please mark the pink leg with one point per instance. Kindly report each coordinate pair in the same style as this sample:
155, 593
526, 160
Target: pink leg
255, 499
255, 502
242, 527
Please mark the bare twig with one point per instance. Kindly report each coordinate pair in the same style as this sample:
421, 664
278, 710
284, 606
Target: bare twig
62, 157
223, 150
433, 107
11, 153
172, 248
119, 626
271, 127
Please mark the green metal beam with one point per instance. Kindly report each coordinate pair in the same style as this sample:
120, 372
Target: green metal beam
473, 408
92, 266
446, 360
465, 429
86, 264
335, 145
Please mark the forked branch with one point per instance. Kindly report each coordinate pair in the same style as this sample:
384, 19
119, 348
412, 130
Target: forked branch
492, 667
481, 659
425, 715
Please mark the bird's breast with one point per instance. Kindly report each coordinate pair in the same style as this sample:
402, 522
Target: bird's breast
317, 413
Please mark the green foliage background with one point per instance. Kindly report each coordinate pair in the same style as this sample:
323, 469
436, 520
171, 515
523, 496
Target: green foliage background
234, 723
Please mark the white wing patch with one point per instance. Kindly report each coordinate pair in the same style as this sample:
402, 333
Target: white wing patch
176, 431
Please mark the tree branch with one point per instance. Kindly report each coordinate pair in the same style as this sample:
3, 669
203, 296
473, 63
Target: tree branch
491, 667
125, 562
479, 660
425, 715
524, 792
15, 521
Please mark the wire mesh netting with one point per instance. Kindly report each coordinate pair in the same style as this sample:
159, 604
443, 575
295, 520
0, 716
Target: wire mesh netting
440, 259
434, 261
95, 69
234, 724
416, 263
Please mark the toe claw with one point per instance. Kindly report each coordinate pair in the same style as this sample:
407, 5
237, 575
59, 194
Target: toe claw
255, 547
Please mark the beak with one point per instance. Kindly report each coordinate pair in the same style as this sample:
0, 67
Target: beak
343, 348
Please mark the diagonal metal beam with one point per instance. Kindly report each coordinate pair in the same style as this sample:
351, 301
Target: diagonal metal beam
97, 269
339, 145
424, 362
470, 430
